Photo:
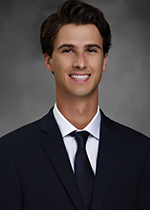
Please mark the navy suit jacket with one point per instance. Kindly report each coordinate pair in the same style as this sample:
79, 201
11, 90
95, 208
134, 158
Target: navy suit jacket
35, 171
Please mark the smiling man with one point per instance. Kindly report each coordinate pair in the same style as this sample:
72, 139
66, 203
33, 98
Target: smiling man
77, 61
75, 158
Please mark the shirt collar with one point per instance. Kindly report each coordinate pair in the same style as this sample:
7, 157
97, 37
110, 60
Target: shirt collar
66, 127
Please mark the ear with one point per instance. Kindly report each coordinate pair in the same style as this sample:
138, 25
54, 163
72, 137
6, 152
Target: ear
105, 61
48, 60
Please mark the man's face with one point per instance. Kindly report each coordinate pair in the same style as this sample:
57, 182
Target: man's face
77, 60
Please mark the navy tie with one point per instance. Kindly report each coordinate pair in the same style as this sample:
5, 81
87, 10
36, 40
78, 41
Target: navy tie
83, 171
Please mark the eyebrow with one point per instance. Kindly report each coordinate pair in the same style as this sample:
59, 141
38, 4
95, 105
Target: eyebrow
66, 45
92, 45
73, 46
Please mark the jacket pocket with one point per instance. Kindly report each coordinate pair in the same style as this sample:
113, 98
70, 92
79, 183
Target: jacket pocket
120, 191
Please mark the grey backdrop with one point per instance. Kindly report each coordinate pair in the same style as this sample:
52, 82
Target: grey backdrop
27, 89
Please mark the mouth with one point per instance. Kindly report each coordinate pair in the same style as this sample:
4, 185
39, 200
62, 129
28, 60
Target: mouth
80, 77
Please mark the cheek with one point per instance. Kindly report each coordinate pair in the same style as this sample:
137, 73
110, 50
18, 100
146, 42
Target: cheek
60, 64
96, 62
97, 67
60, 71
56, 67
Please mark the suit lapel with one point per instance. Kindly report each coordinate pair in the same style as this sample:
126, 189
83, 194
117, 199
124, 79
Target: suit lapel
54, 148
109, 149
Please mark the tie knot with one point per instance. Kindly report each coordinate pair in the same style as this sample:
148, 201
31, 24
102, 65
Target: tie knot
81, 138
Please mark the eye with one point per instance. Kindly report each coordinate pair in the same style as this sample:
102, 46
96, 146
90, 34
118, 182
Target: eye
67, 51
91, 50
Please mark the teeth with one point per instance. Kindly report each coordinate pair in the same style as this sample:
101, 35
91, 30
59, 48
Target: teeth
80, 77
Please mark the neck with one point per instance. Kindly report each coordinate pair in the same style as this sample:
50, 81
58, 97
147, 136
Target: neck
79, 112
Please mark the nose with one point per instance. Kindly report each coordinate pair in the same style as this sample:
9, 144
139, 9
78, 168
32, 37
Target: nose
80, 61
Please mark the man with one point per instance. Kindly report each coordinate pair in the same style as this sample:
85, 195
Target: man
41, 163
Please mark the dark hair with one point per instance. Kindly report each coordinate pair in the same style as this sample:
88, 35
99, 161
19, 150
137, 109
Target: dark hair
79, 13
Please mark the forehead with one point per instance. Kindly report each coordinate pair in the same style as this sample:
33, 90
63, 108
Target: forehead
78, 35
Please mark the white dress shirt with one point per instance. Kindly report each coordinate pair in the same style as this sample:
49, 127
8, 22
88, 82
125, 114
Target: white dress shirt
70, 143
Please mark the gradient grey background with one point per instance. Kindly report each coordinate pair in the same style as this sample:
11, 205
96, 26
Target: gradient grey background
27, 89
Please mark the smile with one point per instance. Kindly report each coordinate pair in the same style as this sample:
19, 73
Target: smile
80, 77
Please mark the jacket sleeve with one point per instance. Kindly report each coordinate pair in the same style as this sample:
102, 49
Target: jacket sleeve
10, 190
144, 190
